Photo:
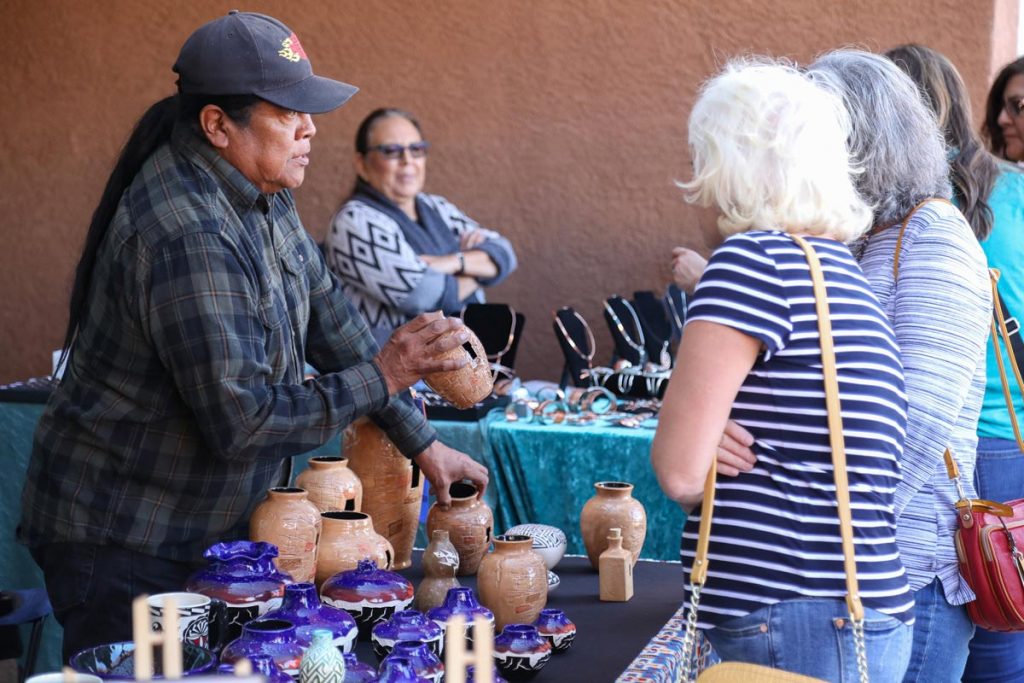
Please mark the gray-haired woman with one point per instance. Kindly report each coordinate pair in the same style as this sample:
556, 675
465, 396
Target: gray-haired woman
928, 271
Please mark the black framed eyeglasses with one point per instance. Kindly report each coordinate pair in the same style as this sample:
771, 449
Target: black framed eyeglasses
1013, 106
417, 150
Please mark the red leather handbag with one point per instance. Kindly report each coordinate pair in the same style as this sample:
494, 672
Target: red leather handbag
988, 545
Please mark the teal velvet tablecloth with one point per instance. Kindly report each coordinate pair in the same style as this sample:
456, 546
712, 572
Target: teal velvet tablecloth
546, 473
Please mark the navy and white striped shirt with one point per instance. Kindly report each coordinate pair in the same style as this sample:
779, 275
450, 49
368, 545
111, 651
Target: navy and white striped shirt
775, 534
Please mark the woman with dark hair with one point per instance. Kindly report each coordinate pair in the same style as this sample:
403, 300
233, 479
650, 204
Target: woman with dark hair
1004, 116
398, 250
991, 195
198, 297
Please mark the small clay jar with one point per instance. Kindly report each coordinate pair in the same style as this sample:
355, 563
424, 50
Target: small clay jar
613, 506
392, 486
332, 486
471, 383
347, 538
469, 523
513, 581
288, 520
440, 564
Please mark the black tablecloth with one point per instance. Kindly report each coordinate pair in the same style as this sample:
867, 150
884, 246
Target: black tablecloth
608, 634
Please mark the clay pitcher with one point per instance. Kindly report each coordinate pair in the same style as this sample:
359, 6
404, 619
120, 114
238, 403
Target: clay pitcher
392, 486
331, 484
288, 520
471, 383
440, 564
468, 522
347, 538
513, 581
613, 506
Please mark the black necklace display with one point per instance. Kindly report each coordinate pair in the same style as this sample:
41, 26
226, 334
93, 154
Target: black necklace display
657, 329
627, 333
577, 342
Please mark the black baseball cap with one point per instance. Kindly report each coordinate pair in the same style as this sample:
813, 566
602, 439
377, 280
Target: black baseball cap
245, 53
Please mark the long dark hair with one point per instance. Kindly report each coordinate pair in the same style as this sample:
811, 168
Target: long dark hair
366, 127
152, 130
991, 130
973, 170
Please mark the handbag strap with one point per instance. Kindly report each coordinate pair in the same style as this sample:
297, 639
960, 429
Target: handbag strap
903, 229
999, 329
698, 573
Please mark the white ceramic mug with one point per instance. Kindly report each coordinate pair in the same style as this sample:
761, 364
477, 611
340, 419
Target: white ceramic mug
74, 677
193, 616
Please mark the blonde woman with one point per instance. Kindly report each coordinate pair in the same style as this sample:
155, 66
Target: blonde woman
769, 154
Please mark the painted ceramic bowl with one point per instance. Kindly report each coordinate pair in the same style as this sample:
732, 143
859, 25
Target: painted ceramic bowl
520, 652
116, 661
556, 627
548, 541
553, 582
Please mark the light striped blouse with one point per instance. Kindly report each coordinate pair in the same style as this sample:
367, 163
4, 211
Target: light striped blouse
775, 534
940, 309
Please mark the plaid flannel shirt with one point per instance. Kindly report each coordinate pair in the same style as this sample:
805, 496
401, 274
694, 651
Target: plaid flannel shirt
184, 394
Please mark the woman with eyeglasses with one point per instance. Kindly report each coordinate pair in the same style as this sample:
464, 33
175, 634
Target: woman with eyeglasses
991, 195
398, 250
1004, 117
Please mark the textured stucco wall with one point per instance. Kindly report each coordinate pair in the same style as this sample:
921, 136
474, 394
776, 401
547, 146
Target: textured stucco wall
562, 124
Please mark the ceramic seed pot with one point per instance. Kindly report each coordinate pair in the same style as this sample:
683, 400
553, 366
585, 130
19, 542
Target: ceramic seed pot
556, 627
357, 672
347, 538
303, 608
461, 601
331, 484
426, 664
406, 625
521, 652
613, 506
469, 523
369, 594
288, 520
513, 581
471, 383
273, 637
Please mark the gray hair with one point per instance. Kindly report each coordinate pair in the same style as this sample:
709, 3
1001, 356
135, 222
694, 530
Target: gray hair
894, 138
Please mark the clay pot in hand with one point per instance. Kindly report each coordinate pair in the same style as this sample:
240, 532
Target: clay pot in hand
347, 538
471, 383
392, 486
440, 564
513, 581
613, 506
332, 486
289, 521
468, 522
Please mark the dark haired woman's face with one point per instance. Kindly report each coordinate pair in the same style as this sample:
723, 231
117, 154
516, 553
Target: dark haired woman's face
401, 179
1013, 126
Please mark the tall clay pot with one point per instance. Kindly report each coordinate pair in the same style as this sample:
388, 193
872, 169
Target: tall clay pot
471, 383
288, 520
347, 538
513, 581
440, 564
468, 522
331, 484
392, 486
613, 506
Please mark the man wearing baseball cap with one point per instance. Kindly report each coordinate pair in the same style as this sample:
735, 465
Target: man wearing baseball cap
197, 301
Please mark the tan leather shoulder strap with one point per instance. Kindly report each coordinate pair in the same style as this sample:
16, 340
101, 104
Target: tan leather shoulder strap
903, 229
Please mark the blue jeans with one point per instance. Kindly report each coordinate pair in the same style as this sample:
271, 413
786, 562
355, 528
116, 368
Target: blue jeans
997, 657
91, 588
941, 635
814, 638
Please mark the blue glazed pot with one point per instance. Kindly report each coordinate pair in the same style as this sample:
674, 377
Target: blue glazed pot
273, 637
520, 652
242, 574
116, 661
460, 601
302, 607
369, 594
398, 670
406, 625
357, 672
556, 627
261, 664
422, 658
470, 673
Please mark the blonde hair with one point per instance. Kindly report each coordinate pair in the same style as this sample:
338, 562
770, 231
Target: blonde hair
769, 149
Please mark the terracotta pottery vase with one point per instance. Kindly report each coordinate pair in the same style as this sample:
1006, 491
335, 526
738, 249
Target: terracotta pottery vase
440, 564
513, 581
469, 523
347, 538
332, 486
471, 383
392, 486
613, 506
288, 520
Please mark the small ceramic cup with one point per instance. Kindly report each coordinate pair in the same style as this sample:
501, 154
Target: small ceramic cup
195, 614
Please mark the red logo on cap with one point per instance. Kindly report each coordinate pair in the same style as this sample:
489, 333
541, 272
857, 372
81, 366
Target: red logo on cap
291, 49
